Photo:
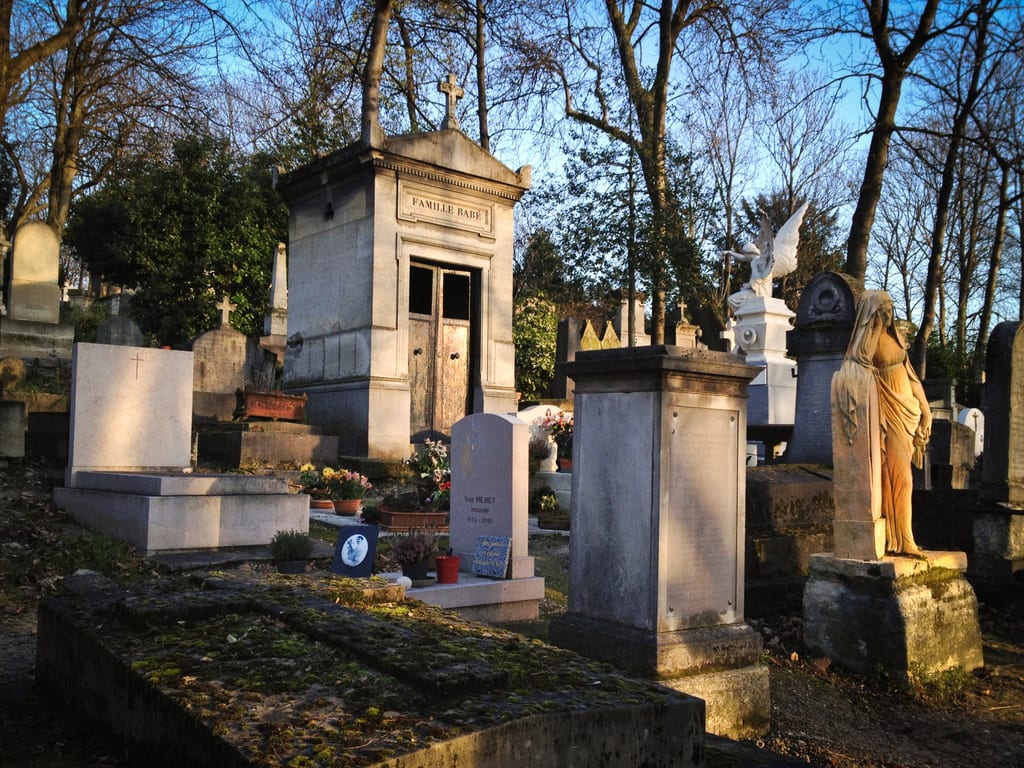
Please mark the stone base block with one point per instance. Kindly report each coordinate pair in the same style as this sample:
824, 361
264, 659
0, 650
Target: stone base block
738, 701
911, 616
88, 656
722, 660
12, 429
859, 539
266, 449
29, 339
486, 599
559, 482
998, 545
167, 512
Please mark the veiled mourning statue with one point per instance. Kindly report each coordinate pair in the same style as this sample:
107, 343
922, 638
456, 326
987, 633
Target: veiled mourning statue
877, 390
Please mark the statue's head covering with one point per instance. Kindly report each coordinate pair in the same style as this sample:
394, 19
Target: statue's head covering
868, 324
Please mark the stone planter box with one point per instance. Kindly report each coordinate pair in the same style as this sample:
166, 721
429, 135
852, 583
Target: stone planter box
553, 522
404, 521
275, 405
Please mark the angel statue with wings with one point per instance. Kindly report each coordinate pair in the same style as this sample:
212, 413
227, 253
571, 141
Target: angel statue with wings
770, 256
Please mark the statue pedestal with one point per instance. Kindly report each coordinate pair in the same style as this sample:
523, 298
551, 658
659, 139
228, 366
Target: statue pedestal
760, 332
910, 616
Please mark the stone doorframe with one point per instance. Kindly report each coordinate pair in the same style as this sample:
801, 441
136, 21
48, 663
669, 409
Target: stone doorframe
477, 262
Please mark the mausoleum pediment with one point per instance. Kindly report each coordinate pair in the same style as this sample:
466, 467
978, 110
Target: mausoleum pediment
455, 151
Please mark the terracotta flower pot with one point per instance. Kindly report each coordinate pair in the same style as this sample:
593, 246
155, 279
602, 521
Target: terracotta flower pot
347, 507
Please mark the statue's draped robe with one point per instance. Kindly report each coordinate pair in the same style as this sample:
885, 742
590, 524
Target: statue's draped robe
875, 416
899, 417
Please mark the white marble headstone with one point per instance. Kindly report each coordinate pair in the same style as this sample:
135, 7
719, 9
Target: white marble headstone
490, 486
131, 410
35, 294
534, 417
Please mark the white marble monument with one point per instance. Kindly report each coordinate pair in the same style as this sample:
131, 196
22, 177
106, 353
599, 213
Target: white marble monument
129, 464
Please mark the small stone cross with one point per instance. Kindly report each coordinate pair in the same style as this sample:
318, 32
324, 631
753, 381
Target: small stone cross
226, 308
682, 311
453, 92
137, 360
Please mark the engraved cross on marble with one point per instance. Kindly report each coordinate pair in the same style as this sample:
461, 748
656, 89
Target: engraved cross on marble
453, 92
226, 308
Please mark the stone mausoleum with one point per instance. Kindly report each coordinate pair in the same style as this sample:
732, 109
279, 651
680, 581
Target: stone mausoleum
400, 288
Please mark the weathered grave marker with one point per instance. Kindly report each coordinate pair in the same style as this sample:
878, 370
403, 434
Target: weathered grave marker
490, 486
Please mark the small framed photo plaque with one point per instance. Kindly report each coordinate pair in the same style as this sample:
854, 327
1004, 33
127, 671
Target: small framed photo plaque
354, 551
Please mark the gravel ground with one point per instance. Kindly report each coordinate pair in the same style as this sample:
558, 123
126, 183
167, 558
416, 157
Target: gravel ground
820, 716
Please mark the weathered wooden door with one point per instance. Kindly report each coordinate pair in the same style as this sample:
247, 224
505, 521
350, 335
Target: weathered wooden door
440, 313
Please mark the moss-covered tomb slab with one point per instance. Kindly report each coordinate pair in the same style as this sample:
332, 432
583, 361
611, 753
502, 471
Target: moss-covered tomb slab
324, 671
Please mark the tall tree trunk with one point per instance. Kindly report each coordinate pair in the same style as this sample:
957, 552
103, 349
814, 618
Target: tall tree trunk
372, 132
410, 81
894, 70
481, 75
919, 349
994, 260
874, 173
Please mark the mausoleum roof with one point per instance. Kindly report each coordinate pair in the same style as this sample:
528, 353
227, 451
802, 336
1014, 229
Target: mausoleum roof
450, 152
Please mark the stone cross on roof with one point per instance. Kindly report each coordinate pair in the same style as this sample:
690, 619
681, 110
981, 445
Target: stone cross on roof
226, 308
453, 92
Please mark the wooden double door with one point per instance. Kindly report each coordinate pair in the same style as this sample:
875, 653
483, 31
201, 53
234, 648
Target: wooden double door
441, 311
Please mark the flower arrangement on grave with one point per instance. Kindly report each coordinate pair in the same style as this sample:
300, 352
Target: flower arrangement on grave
311, 480
433, 473
414, 547
335, 484
560, 427
344, 484
544, 502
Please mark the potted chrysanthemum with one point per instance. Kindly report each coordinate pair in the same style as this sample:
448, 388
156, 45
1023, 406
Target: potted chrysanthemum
346, 489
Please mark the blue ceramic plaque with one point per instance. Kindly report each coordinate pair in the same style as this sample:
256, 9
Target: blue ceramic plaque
491, 556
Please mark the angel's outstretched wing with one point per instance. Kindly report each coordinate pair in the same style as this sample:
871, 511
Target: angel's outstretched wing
784, 245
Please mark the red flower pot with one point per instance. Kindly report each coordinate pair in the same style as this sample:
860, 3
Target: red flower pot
448, 569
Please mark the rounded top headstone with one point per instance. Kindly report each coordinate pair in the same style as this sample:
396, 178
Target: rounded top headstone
830, 296
36, 254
